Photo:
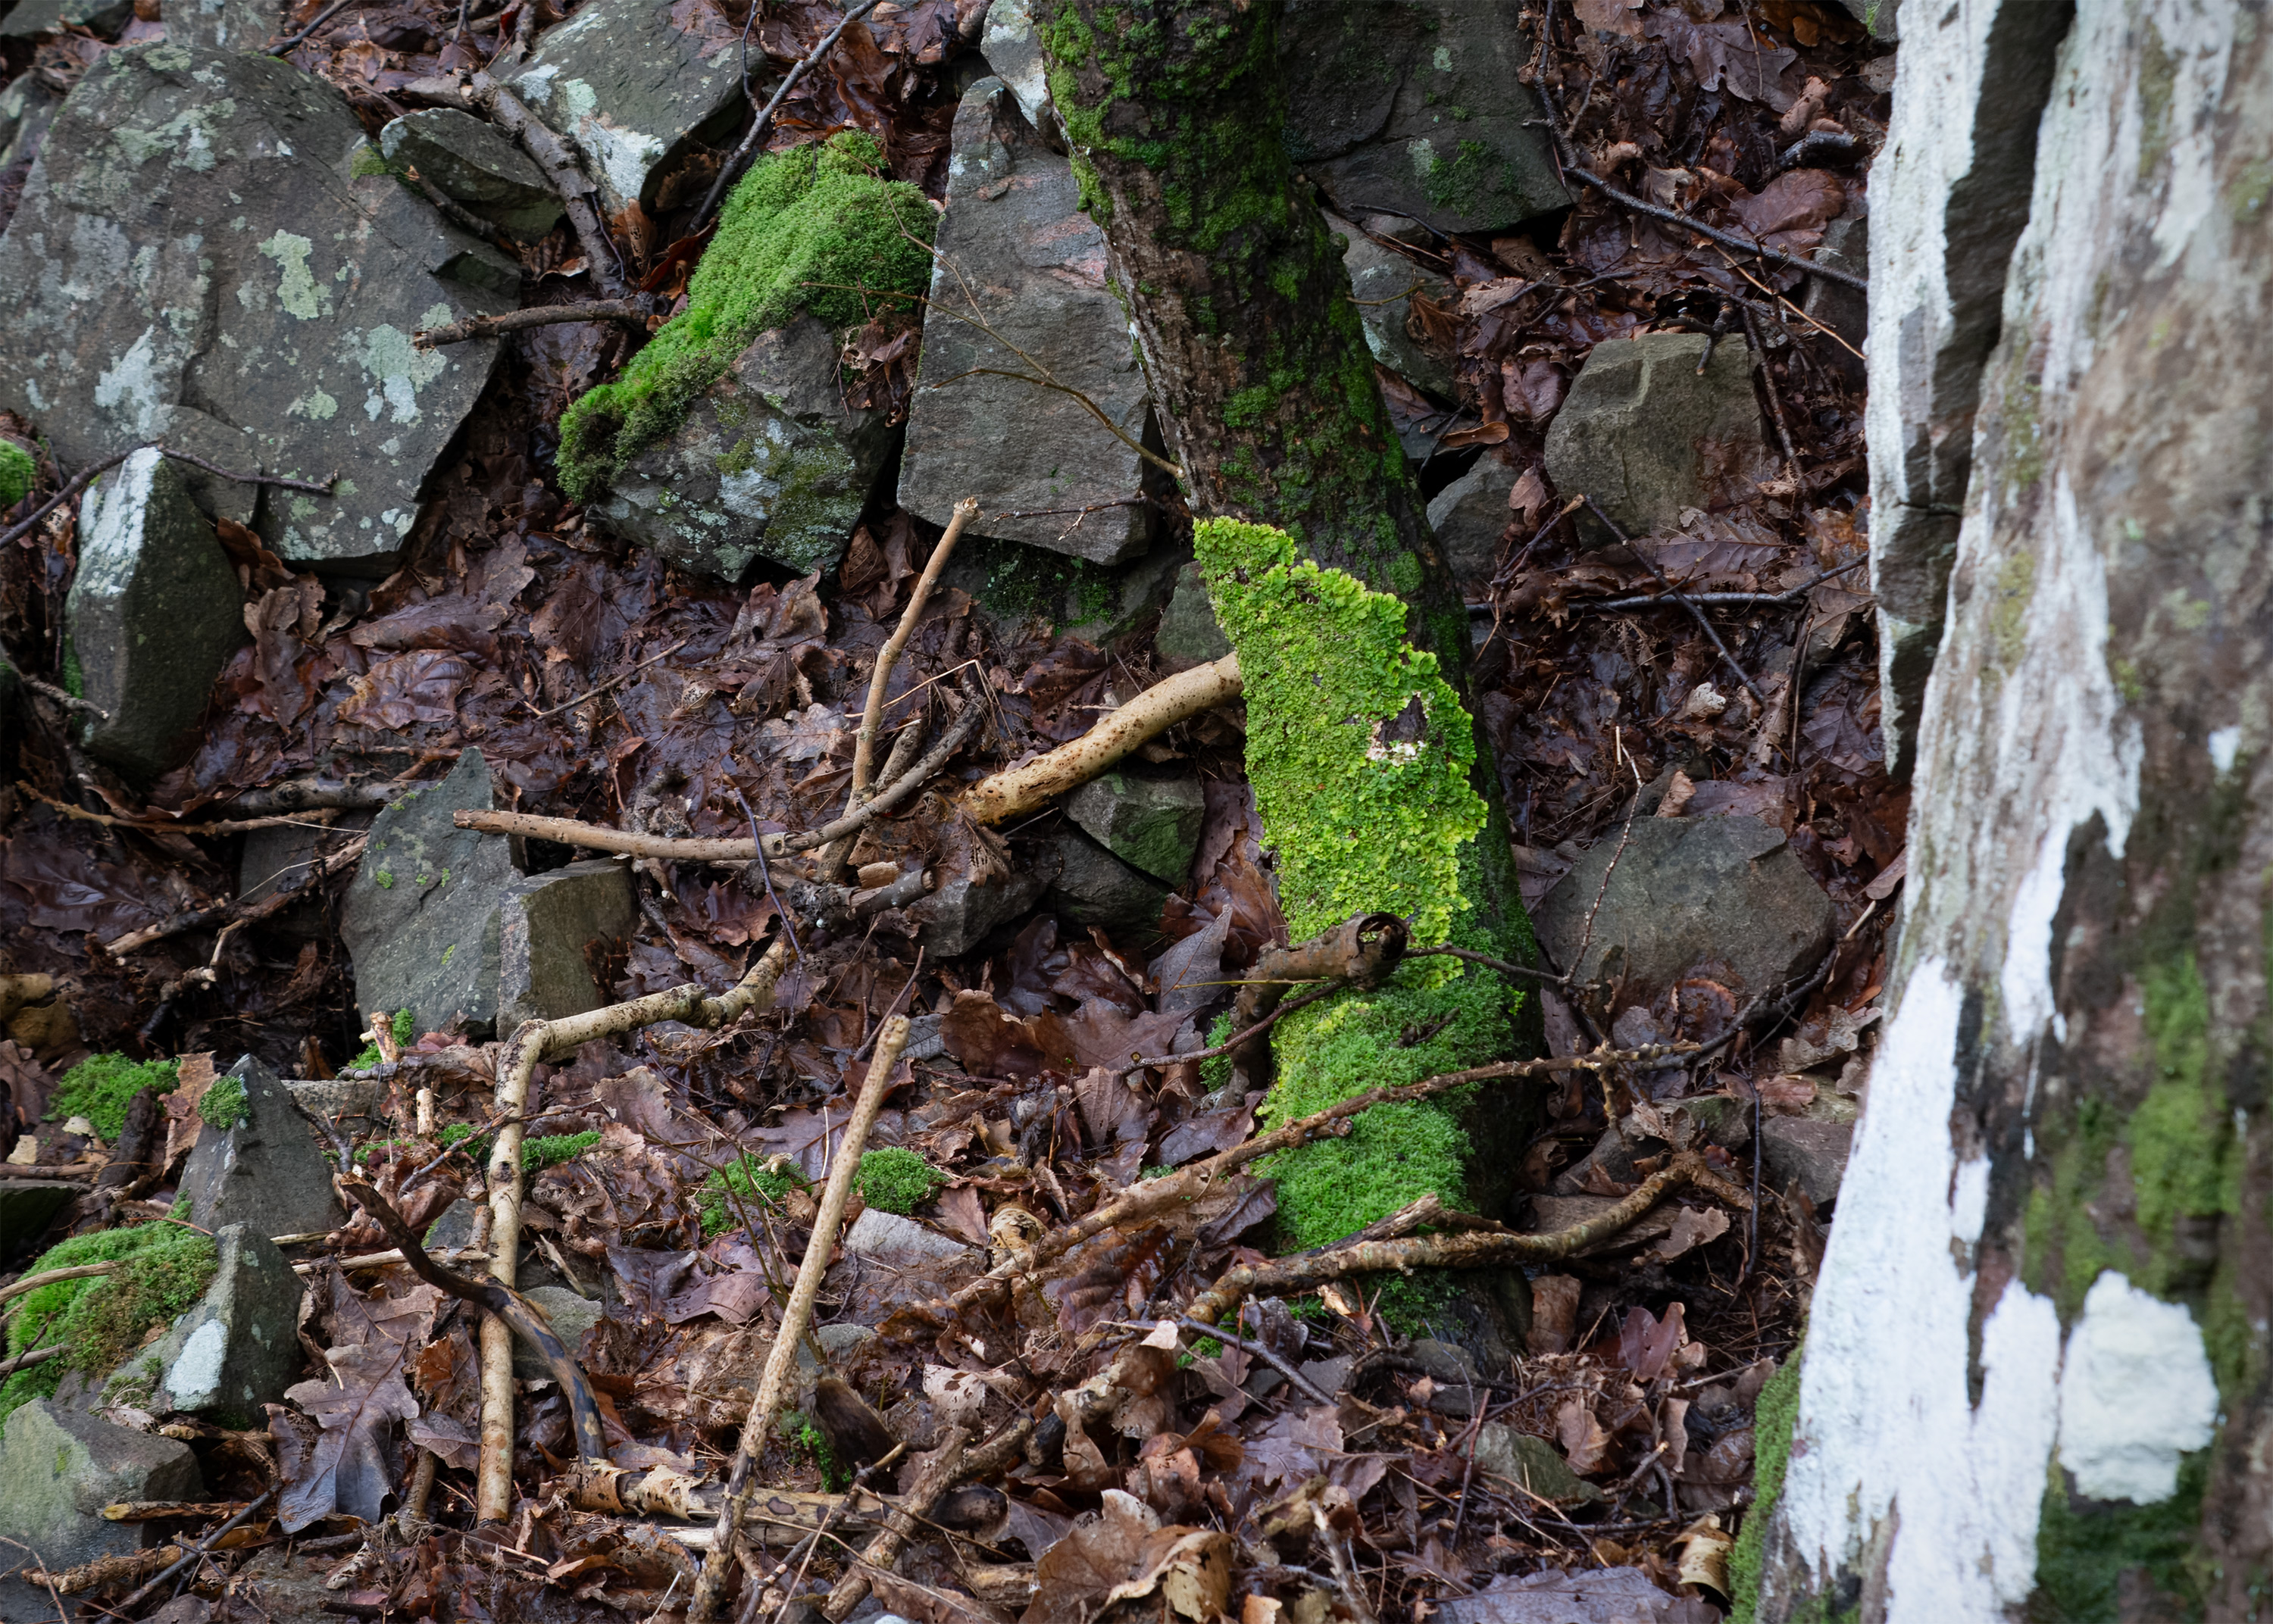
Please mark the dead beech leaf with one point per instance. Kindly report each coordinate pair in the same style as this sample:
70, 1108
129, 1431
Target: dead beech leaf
1705, 1547
1583, 1439
1692, 1227
1608, 16
181, 1107
1124, 1554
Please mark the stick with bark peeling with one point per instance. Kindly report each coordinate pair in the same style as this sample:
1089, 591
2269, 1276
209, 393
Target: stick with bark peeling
741, 1487
947, 1467
553, 1040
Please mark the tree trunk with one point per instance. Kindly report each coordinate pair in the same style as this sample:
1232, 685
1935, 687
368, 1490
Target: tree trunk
2035, 1376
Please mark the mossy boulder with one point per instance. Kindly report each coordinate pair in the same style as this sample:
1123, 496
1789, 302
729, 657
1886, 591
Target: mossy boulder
161, 1270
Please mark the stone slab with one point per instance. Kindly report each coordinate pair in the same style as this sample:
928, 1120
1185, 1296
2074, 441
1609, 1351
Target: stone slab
223, 25
27, 1206
472, 161
546, 922
280, 273
1017, 254
1151, 824
1189, 633
155, 613
31, 19
1811, 1154
265, 1172
57, 1471
896, 1242
1095, 888
962, 913
1468, 517
570, 1316
1383, 283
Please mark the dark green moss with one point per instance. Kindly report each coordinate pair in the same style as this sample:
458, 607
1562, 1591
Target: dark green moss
223, 1102
2085, 1548
164, 1269
554, 1149
1772, 1415
18, 471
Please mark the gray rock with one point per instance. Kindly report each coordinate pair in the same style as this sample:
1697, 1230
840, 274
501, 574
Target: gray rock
630, 89
570, 1315
222, 24
1688, 893
1015, 52
468, 161
1811, 1154
1880, 16
1468, 516
27, 1206
453, 1229
768, 462
276, 859
1016, 253
421, 918
547, 922
1532, 1463
1637, 430
335, 1099
279, 274
835, 1341
32, 19
57, 1471
1383, 281
1152, 824
1018, 586
265, 1172
28, 108
1190, 634
1846, 246
237, 1349
896, 1242
958, 916
1096, 887
1417, 106
154, 613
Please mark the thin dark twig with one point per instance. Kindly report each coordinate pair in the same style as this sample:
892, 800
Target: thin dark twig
196, 1553
321, 18
63, 697
751, 142
1262, 1351
869, 1042
1489, 962
1790, 594
1775, 402
1702, 619
1141, 1063
88, 475
766, 874
618, 679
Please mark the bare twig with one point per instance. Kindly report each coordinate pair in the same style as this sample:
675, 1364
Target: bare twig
285, 47
1790, 594
1262, 1351
94, 471
144, 825
33, 1356
238, 912
763, 126
1673, 595
620, 677
631, 313
126, 1608
49, 1276
742, 1483
63, 697
887, 658
1521, 971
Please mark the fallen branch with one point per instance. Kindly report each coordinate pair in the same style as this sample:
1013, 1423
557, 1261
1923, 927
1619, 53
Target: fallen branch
756, 138
238, 912
730, 848
1362, 951
284, 46
741, 1484
311, 794
1752, 599
94, 471
1160, 707
1470, 1249
947, 1467
144, 825
50, 1277
632, 313
381, 1259
1155, 1197
195, 1553
63, 697
33, 1356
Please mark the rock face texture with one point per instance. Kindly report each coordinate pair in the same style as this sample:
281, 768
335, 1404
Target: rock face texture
263, 1171
223, 25
1151, 824
279, 274
1468, 517
629, 87
1416, 106
1644, 432
1017, 254
59, 1469
1188, 633
1950, 193
155, 613
769, 463
544, 921
472, 161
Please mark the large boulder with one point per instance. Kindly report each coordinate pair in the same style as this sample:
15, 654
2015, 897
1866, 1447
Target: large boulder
59, 1469
1418, 107
256, 1163
470, 162
1016, 255
154, 613
768, 463
278, 274
630, 88
1644, 432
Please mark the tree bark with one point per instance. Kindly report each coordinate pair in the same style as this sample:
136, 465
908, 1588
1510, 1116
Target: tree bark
2035, 1380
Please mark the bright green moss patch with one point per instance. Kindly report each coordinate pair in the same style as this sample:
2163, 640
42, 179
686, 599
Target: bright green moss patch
809, 1440
1772, 1415
223, 1103
1358, 749
554, 1149
897, 1181
405, 1025
164, 1270
17, 473
819, 230
102, 1087
738, 1186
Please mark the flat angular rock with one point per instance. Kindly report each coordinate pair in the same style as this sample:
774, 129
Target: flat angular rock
1415, 106
154, 613
1015, 52
26, 1208
1151, 824
1468, 517
420, 916
1846, 311
59, 1469
223, 25
1724, 895
1642, 429
1383, 283
280, 273
335, 1099
629, 89
265, 1172
958, 916
470, 162
237, 1349
896, 1242
1189, 633
769, 463
546, 922
1095, 888
1811, 1154
28, 108
1016, 253
32, 19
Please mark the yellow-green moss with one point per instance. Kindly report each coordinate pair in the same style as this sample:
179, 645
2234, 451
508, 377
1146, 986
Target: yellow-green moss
553, 1149
1772, 1415
164, 1270
897, 1181
223, 1102
741, 1183
819, 230
17, 473
102, 1086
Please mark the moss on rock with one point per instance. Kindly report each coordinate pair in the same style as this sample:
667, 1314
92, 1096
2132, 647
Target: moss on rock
897, 1181
17, 473
102, 1086
817, 230
164, 1269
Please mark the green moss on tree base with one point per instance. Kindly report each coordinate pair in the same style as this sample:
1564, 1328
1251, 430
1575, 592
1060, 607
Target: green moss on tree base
102, 1086
1772, 1415
2084, 1549
818, 230
164, 1270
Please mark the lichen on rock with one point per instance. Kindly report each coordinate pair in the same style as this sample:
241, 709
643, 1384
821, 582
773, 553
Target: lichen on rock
819, 230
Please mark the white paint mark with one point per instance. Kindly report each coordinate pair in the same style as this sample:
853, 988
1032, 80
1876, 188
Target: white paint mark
1884, 1418
2224, 748
2136, 1395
